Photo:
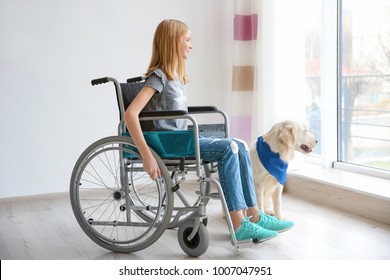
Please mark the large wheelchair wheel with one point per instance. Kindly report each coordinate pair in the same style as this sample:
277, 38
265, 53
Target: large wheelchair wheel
114, 201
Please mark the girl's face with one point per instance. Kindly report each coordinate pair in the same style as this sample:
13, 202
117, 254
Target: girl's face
185, 44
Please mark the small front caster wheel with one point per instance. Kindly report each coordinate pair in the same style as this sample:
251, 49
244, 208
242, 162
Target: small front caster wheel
197, 245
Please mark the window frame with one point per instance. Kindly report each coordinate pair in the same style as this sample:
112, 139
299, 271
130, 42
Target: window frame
331, 77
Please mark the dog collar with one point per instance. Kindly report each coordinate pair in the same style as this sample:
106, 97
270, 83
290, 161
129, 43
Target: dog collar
271, 161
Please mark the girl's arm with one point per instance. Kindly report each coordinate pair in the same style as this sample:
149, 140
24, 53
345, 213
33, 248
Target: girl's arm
134, 128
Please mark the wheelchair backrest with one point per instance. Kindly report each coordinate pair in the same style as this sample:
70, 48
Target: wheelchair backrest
129, 91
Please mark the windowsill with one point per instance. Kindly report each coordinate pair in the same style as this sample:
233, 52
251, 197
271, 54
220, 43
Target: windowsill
347, 180
363, 195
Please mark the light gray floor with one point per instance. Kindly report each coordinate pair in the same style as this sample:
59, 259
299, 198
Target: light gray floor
44, 228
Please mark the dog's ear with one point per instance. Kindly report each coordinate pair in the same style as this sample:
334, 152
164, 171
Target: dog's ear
288, 135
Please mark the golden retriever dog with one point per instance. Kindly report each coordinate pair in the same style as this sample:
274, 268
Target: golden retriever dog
270, 156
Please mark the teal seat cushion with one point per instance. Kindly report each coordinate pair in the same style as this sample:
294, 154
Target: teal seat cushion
172, 143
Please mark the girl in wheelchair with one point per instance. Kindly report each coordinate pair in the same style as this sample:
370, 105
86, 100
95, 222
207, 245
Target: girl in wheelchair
164, 89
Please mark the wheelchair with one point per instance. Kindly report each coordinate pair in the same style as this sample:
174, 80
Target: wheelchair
121, 208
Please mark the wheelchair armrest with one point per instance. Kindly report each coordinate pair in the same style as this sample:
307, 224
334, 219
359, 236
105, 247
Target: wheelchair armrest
211, 110
201, 109
163, 113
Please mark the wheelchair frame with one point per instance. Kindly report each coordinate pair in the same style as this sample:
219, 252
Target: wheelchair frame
121, 209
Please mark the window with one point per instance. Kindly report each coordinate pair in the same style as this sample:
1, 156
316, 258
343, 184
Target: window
331, 59
364, 83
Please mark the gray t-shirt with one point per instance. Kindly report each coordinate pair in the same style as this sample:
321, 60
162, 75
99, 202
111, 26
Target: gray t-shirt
170, 95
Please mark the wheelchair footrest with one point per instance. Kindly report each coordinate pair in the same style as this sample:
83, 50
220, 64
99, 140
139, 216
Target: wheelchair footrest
215, 196
243, 244
211, 195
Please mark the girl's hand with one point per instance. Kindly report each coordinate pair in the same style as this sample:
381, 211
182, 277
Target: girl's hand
151, 167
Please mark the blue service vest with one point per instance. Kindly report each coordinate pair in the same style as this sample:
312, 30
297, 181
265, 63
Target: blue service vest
271, 161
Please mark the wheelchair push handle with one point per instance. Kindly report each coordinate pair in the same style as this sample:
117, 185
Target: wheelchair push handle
99, 81
135, 79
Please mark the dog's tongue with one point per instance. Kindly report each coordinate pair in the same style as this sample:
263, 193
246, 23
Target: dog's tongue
306, 148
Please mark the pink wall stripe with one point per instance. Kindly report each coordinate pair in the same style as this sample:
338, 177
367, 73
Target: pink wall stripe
245, 27
241, 127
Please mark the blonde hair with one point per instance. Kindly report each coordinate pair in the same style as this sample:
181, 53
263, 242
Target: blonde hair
165, 53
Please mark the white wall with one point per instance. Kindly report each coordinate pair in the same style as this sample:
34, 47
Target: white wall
51, 49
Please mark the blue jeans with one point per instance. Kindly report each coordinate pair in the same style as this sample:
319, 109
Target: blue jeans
234, 169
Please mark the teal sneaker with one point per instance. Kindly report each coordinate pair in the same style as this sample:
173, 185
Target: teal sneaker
272, 223
249, 230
